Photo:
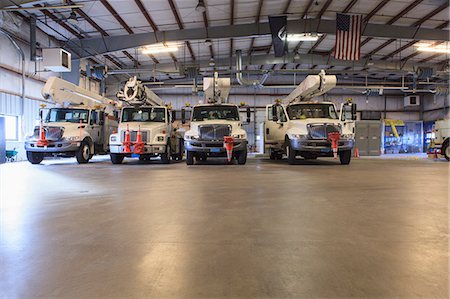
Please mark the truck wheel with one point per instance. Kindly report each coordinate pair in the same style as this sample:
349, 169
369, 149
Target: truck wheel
291, 154
165, 157
189, 158
116, 158
345, 157
84, 153
446, 151
242, 157
273, 155
35, 158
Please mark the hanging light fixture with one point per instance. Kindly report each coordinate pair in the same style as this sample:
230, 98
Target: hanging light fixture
304, 37
160, 48
201, 8
72, 19
441, 48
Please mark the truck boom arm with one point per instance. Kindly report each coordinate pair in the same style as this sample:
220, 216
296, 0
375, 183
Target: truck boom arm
65, 93
312, 86
136, 94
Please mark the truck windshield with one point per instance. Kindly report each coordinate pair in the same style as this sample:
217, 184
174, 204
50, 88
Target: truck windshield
201, 113
303, 111
148, 114
67, 115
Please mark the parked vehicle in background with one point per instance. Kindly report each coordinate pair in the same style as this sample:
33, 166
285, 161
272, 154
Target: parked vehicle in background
215, 128
310, 129
145, 128
78, 127
442, 137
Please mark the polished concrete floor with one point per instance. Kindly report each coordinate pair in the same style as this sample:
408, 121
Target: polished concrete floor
376, 229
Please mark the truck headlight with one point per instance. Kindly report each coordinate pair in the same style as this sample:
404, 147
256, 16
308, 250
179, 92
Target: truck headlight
239, 136
191, 137
298, 136
160, 138
113, 138
347, 136
73, 138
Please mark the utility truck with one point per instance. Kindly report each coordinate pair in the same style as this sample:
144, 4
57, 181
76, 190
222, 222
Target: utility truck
442, 137
215, 127
307, 128
78, 126
145, 128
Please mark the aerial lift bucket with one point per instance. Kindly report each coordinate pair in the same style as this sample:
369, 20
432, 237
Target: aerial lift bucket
139, 145
42, 141
229, 142
127, 143
334, 137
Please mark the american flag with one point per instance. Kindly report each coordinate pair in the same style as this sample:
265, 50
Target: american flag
348, 37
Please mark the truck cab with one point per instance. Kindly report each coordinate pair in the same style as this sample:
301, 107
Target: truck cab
442, 137
303, 128
158, 136
77, 132
210, 125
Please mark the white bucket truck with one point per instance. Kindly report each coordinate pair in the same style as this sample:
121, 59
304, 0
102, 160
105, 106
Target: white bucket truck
145, 128
311, 129
215, 128
442, 137
79, 125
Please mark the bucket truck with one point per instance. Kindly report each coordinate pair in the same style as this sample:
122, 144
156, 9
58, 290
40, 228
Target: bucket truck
311, 129
441, 139
79, 125
145, 128
216, 129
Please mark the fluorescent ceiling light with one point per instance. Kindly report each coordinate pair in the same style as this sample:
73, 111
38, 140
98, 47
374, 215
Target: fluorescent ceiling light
305, 37
424, 47
159, 48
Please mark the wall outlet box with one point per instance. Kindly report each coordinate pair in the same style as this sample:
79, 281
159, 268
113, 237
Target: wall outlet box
411, 101
56, 60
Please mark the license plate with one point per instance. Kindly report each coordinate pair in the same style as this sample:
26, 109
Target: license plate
215, 150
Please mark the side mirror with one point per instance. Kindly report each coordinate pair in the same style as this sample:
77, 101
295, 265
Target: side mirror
41, 113
174, 115
354, 111
183, 116
274, 113
248, 115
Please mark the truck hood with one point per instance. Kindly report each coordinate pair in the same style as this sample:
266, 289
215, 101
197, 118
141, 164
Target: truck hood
145, 126
299, 126
236, 126
57, 131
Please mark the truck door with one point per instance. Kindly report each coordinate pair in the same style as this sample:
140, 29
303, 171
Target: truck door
95, 130
275, 124
348, 115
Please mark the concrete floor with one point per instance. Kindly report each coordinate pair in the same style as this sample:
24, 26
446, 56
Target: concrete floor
376, 228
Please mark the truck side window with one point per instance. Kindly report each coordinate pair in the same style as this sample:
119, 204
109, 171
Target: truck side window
281, 114
94, 117
101, 118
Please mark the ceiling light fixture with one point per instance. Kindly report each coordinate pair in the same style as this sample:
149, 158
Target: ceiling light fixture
200, 6
72, 19
159, 48
442, 48
303, 37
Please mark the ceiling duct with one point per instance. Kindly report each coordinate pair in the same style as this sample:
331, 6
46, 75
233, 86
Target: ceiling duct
246, 82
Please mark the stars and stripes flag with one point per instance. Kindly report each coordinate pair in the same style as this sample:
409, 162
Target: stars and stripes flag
348, 37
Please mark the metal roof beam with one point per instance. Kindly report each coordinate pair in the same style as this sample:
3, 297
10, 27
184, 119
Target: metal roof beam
117, 43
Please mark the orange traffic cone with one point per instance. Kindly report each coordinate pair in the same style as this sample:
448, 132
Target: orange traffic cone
356, 154
42, 141
436, 153
229, 142
334, 137
127, 143
139, 145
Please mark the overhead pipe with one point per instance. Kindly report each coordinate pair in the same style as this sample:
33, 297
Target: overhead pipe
22, 55
246, 82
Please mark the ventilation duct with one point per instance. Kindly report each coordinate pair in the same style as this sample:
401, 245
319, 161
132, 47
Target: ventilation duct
246, 82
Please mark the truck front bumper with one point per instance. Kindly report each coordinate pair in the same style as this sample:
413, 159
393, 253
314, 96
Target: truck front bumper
54, 147
320, 145
152, 149
216, 146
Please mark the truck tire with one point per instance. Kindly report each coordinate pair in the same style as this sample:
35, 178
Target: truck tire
189, 158
242, 157
446, 151
165, 157
291, 154
116, 158
83, 154
345, 157
35, 158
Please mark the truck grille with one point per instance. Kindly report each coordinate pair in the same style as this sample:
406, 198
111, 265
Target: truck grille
133, 136
320, 131
214, 132
51, 133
